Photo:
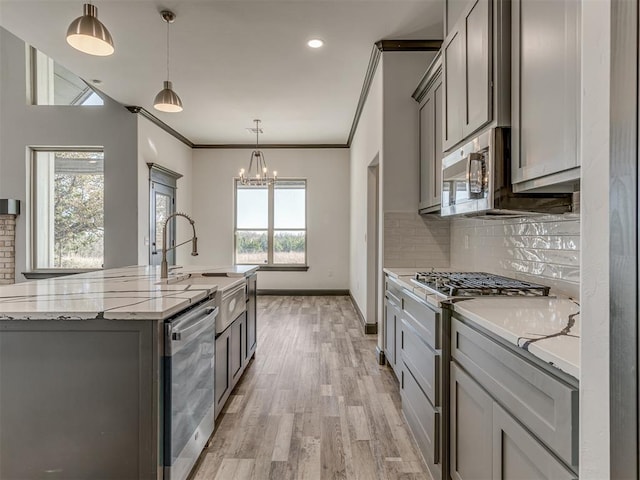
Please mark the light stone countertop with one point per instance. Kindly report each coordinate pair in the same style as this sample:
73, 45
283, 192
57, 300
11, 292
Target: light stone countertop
547, 327
135, 292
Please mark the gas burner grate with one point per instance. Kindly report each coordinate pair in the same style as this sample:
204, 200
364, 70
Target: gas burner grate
478, 284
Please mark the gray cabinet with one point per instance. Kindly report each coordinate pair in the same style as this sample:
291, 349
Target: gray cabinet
431, 117
467, 60
223, 378
237, 346
252, 316
510, 417
545, 94
517, 454
471, 428
392, 334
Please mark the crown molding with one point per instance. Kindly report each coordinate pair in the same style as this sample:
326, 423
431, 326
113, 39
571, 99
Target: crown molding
159, 123
374, 60
269, 145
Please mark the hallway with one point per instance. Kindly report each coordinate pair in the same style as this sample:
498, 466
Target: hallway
313, 404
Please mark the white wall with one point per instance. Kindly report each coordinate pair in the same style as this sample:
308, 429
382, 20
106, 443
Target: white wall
401, 159
327, 174
594, 371
157, 146
111, 126
365, 147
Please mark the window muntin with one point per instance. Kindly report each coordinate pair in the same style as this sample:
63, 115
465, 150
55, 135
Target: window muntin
271, 223
53, 84
68, 209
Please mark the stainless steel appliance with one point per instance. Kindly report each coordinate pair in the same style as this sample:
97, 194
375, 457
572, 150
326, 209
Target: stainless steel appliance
474, 284
189, 387
476, 180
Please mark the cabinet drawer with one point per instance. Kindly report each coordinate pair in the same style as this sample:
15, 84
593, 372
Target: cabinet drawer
423, 319
547, 406
422, 360
423, 419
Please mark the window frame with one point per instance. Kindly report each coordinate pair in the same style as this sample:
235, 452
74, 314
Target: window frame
34, 271
271, 230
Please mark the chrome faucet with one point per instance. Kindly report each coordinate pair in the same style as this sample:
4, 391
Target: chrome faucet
194, 251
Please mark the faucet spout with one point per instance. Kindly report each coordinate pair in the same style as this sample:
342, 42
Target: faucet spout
164, 267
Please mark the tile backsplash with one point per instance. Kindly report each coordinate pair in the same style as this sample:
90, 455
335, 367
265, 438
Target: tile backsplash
543, 249
413, 240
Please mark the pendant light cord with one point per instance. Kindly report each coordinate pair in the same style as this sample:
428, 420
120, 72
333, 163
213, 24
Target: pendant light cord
167, 51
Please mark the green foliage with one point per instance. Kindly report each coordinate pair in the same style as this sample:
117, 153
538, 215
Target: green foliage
256, 242
79, 218
289, 242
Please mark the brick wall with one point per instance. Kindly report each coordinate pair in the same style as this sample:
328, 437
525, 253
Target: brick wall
7, 249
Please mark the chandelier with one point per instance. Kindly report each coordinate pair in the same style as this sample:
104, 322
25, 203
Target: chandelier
257, 174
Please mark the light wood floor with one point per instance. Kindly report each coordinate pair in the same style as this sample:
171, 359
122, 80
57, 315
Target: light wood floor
314, 404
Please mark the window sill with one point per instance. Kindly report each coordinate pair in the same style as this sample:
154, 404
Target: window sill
283, 268
43, 274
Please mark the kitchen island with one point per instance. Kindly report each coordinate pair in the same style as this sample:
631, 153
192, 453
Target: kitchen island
83, 367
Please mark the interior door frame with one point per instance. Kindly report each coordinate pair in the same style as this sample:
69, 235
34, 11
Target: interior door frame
162, 179
623, 240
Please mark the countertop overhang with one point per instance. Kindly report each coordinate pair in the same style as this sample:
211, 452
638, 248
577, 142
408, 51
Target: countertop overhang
128, 293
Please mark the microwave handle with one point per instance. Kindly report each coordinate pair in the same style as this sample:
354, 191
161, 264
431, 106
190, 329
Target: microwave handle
473, 186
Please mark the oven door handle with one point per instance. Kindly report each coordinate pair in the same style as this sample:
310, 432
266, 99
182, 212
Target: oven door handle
179, 335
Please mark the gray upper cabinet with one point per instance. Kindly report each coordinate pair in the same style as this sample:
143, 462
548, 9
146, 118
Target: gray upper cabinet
545, 94
429, 94
477, 68
467, 60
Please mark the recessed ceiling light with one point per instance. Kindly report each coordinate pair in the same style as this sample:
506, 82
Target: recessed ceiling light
315, 43
96, 81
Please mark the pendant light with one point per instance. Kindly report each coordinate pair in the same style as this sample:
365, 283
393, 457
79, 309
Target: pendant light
89, 35
168, 100
259, 175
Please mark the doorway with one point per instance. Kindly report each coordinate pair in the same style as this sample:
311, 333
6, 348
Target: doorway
373, 245
162, 204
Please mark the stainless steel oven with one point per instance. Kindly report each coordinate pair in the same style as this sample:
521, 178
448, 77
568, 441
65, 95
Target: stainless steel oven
188, 388
476, 180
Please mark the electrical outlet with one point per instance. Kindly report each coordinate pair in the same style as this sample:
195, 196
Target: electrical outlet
330, 273
466, 242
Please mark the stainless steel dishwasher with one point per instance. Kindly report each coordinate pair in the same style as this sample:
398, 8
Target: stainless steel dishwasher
189, 404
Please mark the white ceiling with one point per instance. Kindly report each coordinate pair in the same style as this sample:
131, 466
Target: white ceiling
233, 61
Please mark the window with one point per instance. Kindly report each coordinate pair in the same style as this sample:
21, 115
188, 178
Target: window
67, 209
52, 84
271, 223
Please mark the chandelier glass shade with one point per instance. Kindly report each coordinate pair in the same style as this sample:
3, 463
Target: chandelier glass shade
258, 173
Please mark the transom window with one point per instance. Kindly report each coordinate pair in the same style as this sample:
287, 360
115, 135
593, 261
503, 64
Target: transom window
67, 209
271, 223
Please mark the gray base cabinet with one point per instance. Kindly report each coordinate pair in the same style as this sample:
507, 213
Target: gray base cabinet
510, 417
235, 347
471, 428
392, 334
73, 388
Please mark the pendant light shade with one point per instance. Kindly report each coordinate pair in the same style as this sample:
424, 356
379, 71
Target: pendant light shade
167, 100
89, 35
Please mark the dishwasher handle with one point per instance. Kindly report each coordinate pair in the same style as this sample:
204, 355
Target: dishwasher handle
183, 334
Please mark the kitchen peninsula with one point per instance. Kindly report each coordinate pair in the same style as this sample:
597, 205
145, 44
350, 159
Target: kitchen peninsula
93, 369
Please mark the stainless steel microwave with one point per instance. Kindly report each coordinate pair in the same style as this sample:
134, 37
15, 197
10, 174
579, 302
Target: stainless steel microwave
476, 180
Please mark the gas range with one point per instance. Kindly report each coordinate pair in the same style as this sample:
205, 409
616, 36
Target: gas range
475, 284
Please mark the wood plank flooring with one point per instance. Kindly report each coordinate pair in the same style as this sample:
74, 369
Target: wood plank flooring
314, 404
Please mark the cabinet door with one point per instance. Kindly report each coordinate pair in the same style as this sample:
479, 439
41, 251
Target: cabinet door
252, 315
389, 333
436, 167
236, 359
471, 428
545, 89
517, 454
222, 369
477, 49
427, 131
454, 88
